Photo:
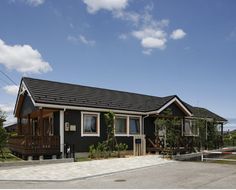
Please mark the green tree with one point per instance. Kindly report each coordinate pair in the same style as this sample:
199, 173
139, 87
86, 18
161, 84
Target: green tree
3, 133
171, 126
109, 121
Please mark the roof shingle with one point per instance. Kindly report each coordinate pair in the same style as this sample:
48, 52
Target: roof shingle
51, 92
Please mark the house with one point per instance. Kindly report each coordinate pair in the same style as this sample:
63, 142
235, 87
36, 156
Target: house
11, 128
52, 114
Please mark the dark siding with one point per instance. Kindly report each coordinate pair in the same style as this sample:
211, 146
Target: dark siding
176, 111
27, 107
126, 140
56, 121
149, 127
82, 143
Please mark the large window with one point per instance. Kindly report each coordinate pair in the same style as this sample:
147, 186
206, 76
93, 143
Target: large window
90, 124
126, 125
191, 129
134, 125
120, 125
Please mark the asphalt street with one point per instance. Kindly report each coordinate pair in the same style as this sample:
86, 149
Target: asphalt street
171, 175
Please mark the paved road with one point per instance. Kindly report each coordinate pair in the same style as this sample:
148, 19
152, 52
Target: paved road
171, 175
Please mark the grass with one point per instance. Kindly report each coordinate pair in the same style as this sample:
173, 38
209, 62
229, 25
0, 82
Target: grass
8, 157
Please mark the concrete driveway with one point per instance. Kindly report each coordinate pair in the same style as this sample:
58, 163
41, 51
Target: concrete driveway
78, 170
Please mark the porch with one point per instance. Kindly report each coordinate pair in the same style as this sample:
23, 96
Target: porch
37, 134
35, 145
168, 134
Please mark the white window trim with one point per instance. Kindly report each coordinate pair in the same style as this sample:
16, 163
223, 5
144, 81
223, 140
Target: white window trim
127, 134
82, 124
190, 135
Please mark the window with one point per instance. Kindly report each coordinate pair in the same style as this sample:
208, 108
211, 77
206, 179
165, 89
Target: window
90, 124
191, 128
134, 125
120, 125
126, 125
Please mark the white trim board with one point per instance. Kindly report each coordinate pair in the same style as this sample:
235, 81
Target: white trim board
175, 99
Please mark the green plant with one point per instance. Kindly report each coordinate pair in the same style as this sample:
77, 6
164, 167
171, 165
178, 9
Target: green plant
109, 121
121, 147
106, 148
92, 151
99, 151
171, 127
3, 140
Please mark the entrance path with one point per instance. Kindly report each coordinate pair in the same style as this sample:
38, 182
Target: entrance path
79, 170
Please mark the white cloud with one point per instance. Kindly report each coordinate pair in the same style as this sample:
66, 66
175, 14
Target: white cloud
177, 34
111, 5
33, 3
8, 108
84, 40
11, 89
151, 42
149, 31
81, 39
152, 36
133, 17
22, 58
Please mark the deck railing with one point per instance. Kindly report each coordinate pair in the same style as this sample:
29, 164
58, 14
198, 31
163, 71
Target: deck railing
35, 145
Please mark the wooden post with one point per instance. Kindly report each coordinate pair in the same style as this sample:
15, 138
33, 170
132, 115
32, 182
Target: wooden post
41, 127
222, 134
19, 126
29, 127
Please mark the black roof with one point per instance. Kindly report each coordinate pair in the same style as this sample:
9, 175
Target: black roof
202, 112
50, 92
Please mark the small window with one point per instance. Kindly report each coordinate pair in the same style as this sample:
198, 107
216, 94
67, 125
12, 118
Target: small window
191, 128
90, 124
134, 126
121, 125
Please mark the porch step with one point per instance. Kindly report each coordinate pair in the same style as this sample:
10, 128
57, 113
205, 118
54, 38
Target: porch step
35, 162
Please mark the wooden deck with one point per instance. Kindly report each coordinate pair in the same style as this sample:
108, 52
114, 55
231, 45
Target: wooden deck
35, 145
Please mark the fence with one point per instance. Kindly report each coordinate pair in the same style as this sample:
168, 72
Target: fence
226, 154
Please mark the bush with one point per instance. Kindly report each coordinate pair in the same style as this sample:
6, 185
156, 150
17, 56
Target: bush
3, 140
99, 151
121, 147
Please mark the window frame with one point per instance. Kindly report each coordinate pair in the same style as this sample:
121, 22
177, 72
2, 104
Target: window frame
191, 121
121, 116
128, 134
84, 134
140, 121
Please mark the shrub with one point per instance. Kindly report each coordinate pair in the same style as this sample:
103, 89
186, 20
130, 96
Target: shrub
121, 147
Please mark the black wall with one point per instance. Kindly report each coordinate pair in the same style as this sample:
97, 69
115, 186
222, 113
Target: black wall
176, 111
27, 106
149, 128
82, 143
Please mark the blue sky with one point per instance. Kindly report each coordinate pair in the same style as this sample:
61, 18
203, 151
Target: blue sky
156, 47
